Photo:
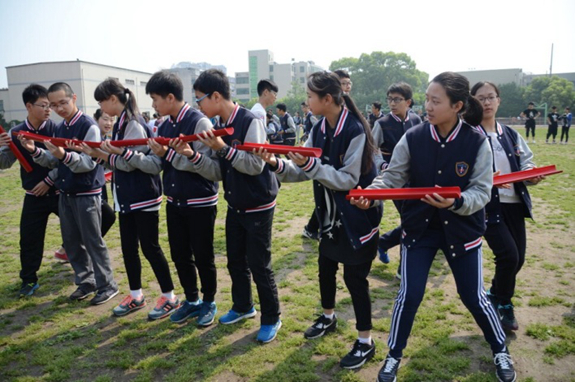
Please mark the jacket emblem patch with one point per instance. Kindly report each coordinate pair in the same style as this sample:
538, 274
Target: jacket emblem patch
461, 168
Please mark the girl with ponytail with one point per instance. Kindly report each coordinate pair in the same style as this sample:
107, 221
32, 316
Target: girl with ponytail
348, 235
444, 151
137, 198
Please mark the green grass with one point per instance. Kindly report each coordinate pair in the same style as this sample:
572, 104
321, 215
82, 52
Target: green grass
49, 338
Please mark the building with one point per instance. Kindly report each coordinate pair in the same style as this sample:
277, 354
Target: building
82, 76
189, 72
497, 76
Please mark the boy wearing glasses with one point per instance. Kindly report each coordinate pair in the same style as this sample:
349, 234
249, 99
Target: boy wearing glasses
41, 198
387, 131
192, 199
250, 190
80, 180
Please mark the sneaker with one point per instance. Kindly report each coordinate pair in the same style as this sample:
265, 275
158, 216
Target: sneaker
388, 372
28, 289
232, 316
82, 292
504, 367
507, 316
322, 325
383, 256
360, 354
267, 333
129, 305
207, 314
164, 307
309, 234
186, 310
61, 256
104, 296
533, 141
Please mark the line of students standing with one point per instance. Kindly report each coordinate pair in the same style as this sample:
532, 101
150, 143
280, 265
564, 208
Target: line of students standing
349, 234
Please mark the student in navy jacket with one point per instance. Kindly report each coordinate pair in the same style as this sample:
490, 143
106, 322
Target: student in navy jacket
80, 180
41, 198
250, 189
446, 151
509, 206
348, 235
137, 199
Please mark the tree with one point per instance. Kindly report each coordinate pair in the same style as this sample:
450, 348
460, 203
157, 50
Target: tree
512, 100
296, 95
560, 92
373, 73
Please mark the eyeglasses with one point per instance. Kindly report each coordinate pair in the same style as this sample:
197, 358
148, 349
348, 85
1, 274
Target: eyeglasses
44, 106
346, 83
490, 99
60, 104
395, 100
198, 100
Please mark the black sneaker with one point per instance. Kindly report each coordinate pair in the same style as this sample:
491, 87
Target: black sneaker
360, 354
104, 296
388, 372
507, 316
321, 326
505, 371
28, 289
82, 292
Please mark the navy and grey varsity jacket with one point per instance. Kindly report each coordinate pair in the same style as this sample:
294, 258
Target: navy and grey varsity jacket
289, 132
425, 159
39, 173
520, 158
336, 173
78, 174
389, 129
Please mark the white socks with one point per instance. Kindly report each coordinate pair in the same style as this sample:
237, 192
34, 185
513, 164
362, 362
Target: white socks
136, 294
366, 341
169, 295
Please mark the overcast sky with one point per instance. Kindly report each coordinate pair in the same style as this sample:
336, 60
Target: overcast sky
151, 35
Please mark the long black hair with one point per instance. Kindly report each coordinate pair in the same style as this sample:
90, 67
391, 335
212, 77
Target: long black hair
113, 87
457, 88
324, 83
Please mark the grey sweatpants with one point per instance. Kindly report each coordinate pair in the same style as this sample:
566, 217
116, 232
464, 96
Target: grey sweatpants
80, 221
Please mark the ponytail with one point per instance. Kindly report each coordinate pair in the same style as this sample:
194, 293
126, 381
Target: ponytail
112, 87
369, 149
131, 106
473, 111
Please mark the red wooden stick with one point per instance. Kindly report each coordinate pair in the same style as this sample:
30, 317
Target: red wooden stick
127, 142
18, 154
520, 176
404, 193
278, 149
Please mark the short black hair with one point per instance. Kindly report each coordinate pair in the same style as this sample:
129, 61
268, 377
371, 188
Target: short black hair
553, 107
33, 92
531, 103
267, 85
377, 105
164, 83
98, 114
567, 108
304, 104
61, 86
281, 106
402, 88
341, 74
213, 80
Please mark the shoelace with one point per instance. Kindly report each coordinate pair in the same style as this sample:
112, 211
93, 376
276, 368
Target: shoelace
161, 302
390, 363
126, 301
504, 360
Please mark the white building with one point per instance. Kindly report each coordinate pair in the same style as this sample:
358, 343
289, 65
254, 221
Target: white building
82, 76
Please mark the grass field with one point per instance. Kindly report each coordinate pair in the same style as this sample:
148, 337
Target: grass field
50, 338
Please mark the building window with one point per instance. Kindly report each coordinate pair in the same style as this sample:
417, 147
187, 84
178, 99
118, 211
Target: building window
241, 91
272, 77
130, 82
301, 69
271, 68
143, 83
2, 105
302, 80
242, 80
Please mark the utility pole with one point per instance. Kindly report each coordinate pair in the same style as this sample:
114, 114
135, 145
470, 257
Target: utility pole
551, 66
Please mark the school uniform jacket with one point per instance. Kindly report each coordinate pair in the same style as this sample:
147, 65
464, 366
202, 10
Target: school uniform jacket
424, 159
78, 174
520, 158
249, 184
39, 173
183, 185
287, 127
134, 189
309, 122
389, 129
339, 174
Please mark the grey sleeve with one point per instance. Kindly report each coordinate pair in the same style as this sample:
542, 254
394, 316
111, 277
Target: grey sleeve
134, 130
289, 172
397, 173
44, 158
291, 125
80, 162
313, 120
7, 157
244, 161
377, 133
478, 192
183, 163
525, 154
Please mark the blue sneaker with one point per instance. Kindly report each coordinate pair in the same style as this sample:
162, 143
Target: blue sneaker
28, 289
383, 256
186, 310
232, 316
207, 313
267, 333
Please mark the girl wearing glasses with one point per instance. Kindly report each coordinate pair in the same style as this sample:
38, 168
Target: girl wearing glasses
509, 206
348, 235
445, 151
137, 198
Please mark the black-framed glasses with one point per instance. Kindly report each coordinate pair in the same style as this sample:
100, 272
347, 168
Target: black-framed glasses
394, 99
43, 106
198, 100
